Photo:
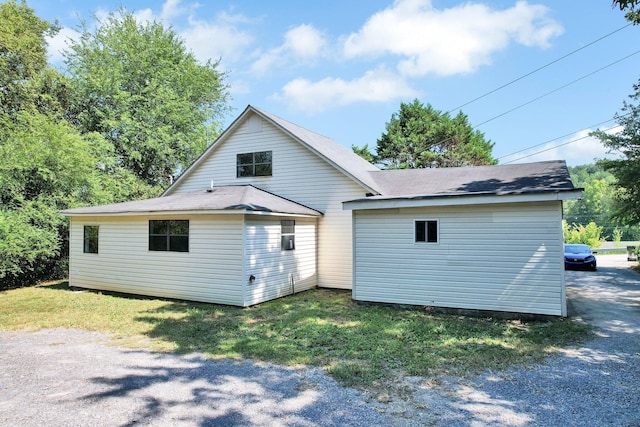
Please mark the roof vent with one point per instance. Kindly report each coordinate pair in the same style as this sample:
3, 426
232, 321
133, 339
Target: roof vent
210, 189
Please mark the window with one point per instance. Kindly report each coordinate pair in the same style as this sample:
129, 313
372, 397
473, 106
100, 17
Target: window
90, 239
254, 164
169, 235
287, 235
427, 231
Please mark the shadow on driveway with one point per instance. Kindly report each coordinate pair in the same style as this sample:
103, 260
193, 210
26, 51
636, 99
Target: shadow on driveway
597, 384
62, 377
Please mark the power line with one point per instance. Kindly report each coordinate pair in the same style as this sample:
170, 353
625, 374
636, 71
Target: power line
557, 89
559, 137
538, 69
554, 147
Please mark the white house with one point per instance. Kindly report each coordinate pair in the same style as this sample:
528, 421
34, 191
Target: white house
272, 208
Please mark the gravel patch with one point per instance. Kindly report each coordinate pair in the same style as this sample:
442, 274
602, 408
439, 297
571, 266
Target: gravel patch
62, 377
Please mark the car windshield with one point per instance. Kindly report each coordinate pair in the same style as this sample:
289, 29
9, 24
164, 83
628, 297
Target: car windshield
577, 249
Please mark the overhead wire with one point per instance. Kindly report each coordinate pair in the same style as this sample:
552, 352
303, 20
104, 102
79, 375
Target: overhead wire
539, 68
557, 89
547, 94
554, 147
556, 138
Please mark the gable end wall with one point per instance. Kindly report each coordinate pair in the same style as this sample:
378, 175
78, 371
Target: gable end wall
299, 175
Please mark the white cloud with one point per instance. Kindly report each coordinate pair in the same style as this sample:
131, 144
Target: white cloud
304, 41
378, 85
58, 43
239, 87
302, 44
207, 39
211, 40
449, 41
578, 149
171, 9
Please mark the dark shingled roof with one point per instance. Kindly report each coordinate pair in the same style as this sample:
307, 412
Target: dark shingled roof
551, 176
224, 198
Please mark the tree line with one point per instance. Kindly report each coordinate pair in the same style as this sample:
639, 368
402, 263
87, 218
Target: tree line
132, 109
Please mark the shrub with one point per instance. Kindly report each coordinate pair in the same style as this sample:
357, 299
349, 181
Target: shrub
590, 234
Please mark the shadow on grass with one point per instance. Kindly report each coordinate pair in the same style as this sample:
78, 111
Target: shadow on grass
60, 285
361, 345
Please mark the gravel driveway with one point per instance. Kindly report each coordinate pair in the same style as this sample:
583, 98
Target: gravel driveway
65, 377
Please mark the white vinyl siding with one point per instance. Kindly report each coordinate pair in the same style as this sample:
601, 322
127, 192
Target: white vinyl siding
278, 273
489, 257
210, 272
299, 175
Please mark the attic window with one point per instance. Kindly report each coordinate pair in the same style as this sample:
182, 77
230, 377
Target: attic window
254, 164
426, 231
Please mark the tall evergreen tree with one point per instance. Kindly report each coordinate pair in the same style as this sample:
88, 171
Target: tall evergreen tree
420, 136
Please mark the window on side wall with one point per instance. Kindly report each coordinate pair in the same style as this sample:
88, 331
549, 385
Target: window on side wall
169, 235
287, 235
426, 231
91, 233
254, 164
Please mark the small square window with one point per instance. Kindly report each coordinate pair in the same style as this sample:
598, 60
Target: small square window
91, 233
426, 231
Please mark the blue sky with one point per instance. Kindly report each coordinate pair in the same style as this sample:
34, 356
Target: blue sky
341, 68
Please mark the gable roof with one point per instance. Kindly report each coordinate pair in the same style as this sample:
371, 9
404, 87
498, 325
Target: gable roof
343, 159
223, 199
551, 177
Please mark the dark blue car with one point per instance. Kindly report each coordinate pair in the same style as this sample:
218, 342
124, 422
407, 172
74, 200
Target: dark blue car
579, 256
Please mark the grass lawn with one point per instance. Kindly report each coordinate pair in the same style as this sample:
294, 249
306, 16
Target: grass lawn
360, 345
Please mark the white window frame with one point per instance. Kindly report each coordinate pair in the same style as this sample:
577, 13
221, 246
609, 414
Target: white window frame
426, 231
287, 238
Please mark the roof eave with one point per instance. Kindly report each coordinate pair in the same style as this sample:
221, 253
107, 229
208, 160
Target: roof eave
460, 199
190, 213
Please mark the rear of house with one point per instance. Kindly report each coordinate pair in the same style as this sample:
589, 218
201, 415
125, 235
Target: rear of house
272, 208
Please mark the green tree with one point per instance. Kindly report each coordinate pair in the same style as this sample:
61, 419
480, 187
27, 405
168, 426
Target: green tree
23, 50
143, 91
364, 152
632, 7
597, 202
45, 163
589, 234
423, 137
627, 169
